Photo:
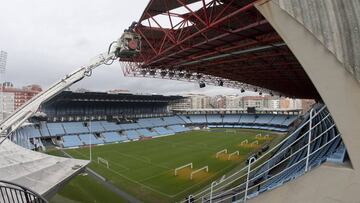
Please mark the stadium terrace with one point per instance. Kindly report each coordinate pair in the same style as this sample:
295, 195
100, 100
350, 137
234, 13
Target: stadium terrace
138, 148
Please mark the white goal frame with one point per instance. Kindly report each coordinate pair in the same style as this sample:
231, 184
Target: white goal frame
244, 142
220, 152
181, 167
103, 161
232, 154
206, 168
259, 136
255, 143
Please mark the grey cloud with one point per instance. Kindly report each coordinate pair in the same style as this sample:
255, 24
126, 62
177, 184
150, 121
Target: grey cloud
48, 39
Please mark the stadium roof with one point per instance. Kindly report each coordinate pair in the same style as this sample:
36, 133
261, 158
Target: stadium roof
225, 38
68, 96
40, 172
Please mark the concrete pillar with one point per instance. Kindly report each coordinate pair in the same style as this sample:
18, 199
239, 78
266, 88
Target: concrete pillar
337, 87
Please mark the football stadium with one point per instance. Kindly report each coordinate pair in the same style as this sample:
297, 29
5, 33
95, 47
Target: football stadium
66, 146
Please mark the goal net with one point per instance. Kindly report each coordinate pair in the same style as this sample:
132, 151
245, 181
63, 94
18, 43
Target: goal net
205, 168
103, 161
176, 171
233, 154
220, 152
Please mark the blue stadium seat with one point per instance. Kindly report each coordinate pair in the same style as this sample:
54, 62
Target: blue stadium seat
173, 120
185, 119
231, 118
178, 128
132, 134
55, 129
214, 119
263, 119
96, 126
75, 127
199, 119
163, 131
247, 119
147, 133
71, 141
111, 137
109, 126
86, 139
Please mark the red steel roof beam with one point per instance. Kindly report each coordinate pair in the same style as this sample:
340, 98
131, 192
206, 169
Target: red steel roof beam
247, 27
211, 25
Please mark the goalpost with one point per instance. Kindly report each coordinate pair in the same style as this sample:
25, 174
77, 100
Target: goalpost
103, 161
206, 168
254, 143
262, 137
220, 152
232, 154
244, 142
181, 167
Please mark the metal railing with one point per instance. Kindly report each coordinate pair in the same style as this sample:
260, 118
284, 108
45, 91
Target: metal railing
249, 181
14, 193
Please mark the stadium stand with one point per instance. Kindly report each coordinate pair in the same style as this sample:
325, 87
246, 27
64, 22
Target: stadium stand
111, 137
178, 128
173, 120
214, 119
132, 134
130, 126
96, 126
231, 118
74, 127
263, 119
147, 127
185, 119
71, 141
90, 139
147, 133
108, 126
44, 131
163, 131
145, 123
247, 119
289, 160
55, 129
199, 119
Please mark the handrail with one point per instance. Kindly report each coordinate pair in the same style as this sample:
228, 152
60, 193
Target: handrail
281, 172
267, 153
282, 161
12, 192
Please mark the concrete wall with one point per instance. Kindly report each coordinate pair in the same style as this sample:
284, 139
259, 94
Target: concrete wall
336, 23
321, 34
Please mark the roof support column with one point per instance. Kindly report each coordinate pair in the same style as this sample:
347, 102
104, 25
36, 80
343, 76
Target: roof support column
340, 91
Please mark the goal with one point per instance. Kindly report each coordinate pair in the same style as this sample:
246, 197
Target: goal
181, 167
220, 152
103, 161
255, 143
262, 137
205, 168
232, 154
244, 142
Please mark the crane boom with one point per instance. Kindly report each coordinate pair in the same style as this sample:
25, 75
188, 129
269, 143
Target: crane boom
12, 122
124, 47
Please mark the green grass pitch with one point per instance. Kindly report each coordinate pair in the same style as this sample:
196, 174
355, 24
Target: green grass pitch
145, 169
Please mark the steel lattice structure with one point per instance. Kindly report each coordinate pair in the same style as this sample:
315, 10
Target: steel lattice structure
222, 38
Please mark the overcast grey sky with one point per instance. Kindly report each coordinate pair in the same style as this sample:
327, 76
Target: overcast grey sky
45, 40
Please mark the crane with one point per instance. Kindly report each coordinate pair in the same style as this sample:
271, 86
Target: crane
128, 44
